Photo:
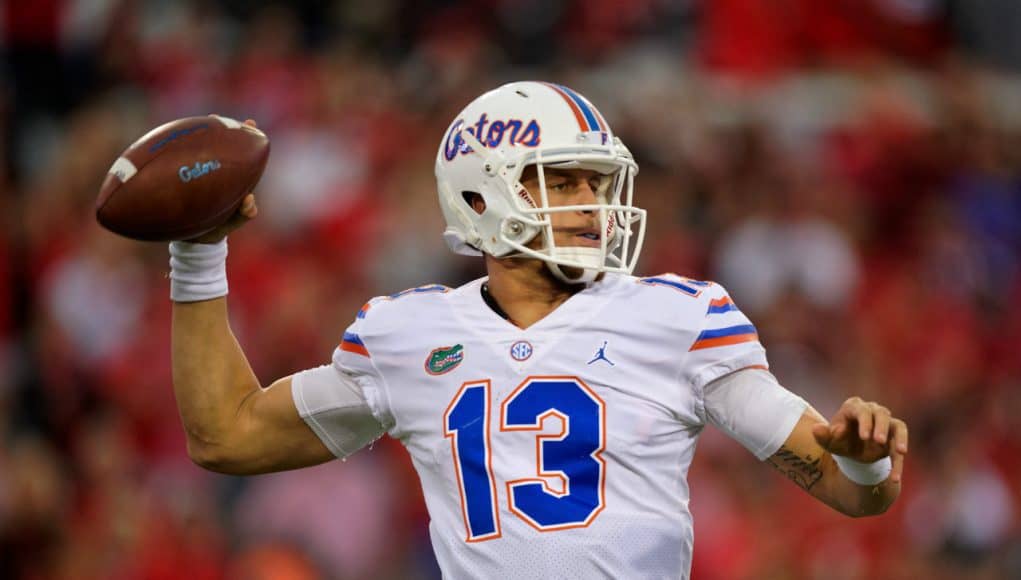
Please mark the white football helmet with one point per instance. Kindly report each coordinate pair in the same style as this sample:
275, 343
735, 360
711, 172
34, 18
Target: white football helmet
504, 131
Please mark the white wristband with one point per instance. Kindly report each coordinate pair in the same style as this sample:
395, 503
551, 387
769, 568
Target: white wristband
198, 271
864, 473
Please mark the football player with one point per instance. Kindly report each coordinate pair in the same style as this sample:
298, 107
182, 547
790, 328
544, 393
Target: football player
551, 409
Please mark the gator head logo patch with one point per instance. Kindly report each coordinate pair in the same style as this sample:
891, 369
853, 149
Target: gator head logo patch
444, 359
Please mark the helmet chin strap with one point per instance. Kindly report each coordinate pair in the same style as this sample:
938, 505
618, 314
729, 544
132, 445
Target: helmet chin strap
591, 257
587, 274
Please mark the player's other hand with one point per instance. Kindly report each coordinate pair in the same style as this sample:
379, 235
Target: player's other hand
865, 431
247, 211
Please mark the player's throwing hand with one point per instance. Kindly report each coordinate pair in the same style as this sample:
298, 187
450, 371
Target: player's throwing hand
865, 431
247, 211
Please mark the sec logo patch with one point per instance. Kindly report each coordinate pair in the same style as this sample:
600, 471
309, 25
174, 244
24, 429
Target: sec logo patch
521, 350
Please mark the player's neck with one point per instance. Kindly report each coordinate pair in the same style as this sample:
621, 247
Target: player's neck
526, 290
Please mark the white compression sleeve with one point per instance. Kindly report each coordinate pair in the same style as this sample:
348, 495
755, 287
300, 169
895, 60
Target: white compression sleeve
753, 408
333, 405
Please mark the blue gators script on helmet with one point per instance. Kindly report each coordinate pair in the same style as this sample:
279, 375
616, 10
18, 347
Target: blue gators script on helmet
492, 134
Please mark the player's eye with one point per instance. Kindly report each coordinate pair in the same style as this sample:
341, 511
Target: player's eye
600, 185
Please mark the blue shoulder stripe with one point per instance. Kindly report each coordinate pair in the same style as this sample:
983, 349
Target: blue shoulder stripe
728, 331
721, 305
353, 338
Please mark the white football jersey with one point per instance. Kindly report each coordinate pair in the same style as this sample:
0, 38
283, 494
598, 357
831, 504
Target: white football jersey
561, 450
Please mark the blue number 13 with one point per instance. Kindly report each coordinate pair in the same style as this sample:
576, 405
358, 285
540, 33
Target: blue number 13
572, 456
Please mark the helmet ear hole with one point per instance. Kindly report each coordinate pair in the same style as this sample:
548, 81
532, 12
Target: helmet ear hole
475, 201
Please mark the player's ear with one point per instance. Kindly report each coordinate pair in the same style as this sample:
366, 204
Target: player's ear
475, 201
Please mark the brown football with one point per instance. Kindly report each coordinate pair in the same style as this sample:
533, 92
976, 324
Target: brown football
182, 179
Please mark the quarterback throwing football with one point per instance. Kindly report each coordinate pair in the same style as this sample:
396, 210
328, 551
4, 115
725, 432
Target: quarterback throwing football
552, 408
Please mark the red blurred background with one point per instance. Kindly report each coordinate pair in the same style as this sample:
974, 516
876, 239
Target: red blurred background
849, 170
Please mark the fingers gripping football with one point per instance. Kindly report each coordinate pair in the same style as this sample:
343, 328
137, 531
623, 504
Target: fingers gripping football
865, 431
247, 211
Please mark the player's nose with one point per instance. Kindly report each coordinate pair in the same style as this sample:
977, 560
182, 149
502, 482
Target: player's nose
585, 195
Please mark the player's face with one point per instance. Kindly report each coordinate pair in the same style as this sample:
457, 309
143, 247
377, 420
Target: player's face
571, 187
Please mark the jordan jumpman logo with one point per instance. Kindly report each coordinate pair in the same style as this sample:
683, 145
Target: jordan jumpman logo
601, 355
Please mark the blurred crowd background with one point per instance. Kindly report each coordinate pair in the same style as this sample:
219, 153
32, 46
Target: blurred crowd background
850, 170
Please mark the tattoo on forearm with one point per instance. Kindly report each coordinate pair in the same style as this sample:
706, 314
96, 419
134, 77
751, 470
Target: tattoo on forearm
804, 472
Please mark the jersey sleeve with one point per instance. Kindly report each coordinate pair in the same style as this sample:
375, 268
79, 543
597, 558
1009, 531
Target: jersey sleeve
343, 402
725, 341
754, 409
